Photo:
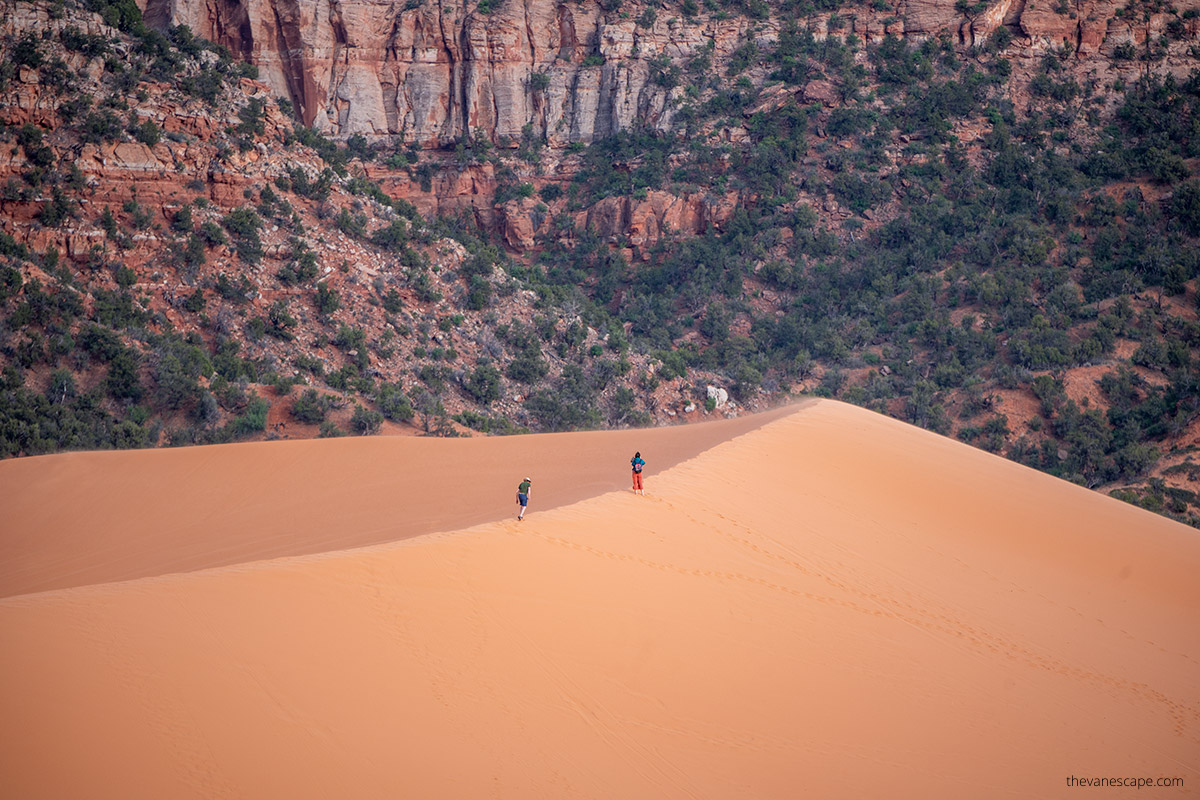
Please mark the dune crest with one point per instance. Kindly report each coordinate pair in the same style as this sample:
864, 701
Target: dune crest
75, 519
833, 604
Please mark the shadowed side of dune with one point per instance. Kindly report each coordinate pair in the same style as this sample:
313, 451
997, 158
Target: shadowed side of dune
80, 518
832, 605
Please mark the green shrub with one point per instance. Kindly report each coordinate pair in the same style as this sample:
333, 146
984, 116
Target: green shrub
280, 321
392, 302
122, 381
484, 384
252, 420
393, 237
147, 133
327, 300
310, 407
243, 224
251, 118
393, 403
204, 84
27, 51
529, 367
365, 421
99, 127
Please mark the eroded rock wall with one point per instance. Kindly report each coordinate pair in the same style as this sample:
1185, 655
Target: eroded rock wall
429, 73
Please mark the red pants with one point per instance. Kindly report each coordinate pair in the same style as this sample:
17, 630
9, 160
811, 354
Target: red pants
637, 481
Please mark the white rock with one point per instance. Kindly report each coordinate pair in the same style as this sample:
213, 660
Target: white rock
719, 395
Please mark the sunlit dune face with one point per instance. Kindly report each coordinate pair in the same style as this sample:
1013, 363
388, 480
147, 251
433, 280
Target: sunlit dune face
825, 603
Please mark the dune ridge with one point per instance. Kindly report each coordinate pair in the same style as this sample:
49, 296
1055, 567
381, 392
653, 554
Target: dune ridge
152, 512
832, 604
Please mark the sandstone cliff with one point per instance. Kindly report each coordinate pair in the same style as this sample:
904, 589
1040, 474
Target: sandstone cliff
432, 73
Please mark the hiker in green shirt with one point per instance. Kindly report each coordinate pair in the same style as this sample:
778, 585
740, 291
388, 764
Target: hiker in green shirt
523, 496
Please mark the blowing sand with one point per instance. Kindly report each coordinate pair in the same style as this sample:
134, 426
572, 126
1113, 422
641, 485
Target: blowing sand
826, 603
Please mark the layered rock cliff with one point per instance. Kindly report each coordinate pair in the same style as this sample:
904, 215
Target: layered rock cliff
433, 73
563, 75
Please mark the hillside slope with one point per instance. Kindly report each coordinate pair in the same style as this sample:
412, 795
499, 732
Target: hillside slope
835, 601
983, 219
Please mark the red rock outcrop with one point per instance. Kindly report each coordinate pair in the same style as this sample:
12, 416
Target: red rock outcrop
1084, 28
431, 73
434, 74
642, 222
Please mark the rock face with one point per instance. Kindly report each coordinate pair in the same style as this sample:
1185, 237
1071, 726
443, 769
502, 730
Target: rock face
1083, 28
557, 73
434, 74
430, 73
644, 221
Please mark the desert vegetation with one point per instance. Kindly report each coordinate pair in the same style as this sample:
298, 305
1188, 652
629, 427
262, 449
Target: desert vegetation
999, 250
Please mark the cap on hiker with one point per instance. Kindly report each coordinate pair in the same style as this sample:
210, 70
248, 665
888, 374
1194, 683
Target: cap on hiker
529, 479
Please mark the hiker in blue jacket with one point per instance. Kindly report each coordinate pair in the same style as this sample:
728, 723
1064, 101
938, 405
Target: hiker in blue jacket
638, 463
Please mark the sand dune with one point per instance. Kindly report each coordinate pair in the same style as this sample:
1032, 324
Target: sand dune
830, 604
83, 518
